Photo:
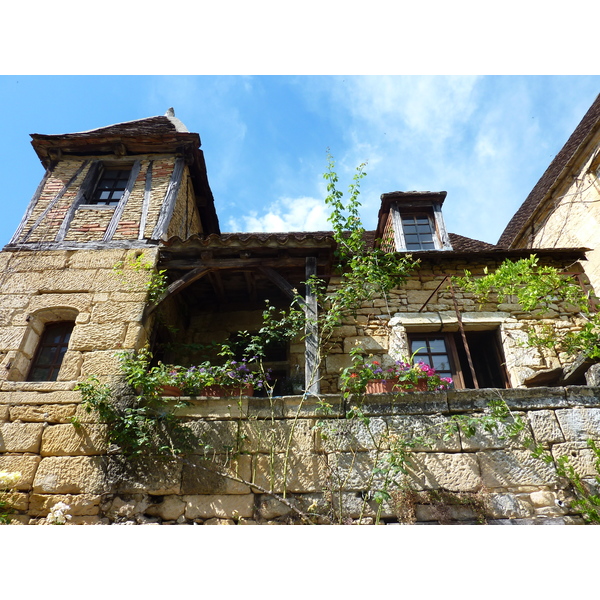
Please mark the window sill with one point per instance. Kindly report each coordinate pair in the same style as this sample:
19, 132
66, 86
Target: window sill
37, 386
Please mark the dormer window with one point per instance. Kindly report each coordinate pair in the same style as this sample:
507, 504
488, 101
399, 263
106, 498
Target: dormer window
412, 222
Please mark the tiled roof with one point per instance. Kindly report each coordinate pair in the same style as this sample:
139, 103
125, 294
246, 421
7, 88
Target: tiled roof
460, 243
150, 126
520, 219
305, 238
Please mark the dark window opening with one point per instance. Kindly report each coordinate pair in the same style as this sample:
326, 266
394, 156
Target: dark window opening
275, 360
51, 351
446, 353
110, 187
419, 231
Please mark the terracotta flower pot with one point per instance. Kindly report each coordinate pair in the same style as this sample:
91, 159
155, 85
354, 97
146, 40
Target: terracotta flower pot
219, 391
387, 386
170, 390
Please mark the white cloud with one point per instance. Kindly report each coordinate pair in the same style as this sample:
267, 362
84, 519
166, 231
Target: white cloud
288, 214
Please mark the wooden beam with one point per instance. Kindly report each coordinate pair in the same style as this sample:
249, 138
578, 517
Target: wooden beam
55, 200
217, 283
182, 264
168, 205
282, 283
32, 204
178, 286
118, 212
146, 201
251, 285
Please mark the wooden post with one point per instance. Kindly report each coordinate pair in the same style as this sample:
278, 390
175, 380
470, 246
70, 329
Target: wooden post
168, 204
312, 383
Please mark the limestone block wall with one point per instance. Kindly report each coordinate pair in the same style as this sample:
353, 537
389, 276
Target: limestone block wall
570, 216
380, 326
327, 470
80, 286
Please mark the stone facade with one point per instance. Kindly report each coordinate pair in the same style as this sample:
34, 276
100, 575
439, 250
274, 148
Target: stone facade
329, 471
425, 304
90, 265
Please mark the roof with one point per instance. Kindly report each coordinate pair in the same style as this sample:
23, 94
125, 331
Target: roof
460, 243
552, 175
154, 135
157, 134
162, 124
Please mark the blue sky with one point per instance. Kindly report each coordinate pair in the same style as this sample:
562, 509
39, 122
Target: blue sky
486, 140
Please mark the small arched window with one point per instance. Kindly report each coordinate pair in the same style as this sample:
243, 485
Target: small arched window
50, 352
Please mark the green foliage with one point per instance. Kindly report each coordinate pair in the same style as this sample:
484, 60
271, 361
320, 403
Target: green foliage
537, 289
156, 283
365, 271
8, 481
586, 502
142, 422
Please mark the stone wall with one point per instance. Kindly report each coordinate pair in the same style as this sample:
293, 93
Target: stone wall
570, 216
80, 286
380, 326
329, 469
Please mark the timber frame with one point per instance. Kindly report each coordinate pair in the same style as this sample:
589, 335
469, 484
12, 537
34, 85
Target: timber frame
232, 271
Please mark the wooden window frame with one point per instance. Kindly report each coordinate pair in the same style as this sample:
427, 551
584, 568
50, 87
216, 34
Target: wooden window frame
440, 238
62, 346
91, 198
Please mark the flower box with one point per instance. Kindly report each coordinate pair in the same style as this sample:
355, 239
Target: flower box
220, 391
170, 390
213, 391
388, 386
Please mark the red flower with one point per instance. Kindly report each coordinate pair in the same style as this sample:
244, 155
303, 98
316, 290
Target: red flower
353, 375
375, 362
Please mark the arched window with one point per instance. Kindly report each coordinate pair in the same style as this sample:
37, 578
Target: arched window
50, 352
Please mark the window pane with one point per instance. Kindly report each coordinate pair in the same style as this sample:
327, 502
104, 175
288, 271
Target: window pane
441, 363
53, 345
437, 345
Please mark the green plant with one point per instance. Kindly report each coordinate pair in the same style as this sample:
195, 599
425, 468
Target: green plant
538, 289
156, 282
586, 501
8, 480
141, 420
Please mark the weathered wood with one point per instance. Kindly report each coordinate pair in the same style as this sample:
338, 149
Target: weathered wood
182, 264
441, 228
217, 283
54, 201
146, 201
178, 286
282, 283
92, 245
397, 228
84, 188
251, 285
168, 205
312, 383
118, 212
32, 204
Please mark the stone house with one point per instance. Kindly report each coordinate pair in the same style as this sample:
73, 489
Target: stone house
118, 203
